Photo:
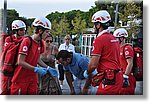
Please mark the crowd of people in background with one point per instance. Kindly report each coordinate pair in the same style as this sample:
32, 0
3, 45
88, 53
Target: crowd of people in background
108, 69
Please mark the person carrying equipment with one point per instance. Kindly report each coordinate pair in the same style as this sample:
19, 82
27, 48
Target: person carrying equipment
24, 81
9, 54
105, 57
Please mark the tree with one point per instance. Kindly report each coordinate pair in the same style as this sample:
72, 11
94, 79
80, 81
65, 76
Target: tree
130, 14
63, 27
11, 16
30, 30
88, 16
79, 24
55, 27
70, 16
55, 16
60, 29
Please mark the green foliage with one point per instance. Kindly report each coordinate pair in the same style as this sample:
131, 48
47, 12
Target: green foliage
71, 22
79, 24
131, 12
11, 15
63, 27
130, 9
30, 30
54, 16
77, 49
55, 27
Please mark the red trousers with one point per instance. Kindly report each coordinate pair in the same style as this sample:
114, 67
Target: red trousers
111, 89
131, 88
20, 88
5, 84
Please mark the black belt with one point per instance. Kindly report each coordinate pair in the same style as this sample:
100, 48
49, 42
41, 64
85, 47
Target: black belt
10, 74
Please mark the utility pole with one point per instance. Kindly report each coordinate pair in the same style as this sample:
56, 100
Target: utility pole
5, 16
116, 13
1, 18
1, 30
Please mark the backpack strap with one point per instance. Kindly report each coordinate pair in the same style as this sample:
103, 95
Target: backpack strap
11, 38
41, 43
30, 42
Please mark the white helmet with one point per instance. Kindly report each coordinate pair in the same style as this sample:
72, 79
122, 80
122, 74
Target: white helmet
17, 24
47, 24
101, 16
39, 22
121, 32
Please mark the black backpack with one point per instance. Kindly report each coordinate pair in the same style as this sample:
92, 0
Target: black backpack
137, 68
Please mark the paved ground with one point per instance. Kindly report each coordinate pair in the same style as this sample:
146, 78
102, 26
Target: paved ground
66, 90
138, 90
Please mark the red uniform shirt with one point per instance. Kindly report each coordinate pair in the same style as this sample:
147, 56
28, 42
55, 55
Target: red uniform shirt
32, 55
107, 47
126, 51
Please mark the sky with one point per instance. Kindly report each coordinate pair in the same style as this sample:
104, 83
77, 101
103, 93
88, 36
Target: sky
37, 8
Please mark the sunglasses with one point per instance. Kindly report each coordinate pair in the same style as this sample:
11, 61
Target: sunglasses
67, 39
47, 41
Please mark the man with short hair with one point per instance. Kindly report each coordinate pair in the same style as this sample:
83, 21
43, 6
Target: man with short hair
105, 57
77, 64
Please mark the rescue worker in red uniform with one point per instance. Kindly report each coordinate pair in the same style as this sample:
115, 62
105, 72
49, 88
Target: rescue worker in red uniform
105, 57
18, 30
126, 61
24, 81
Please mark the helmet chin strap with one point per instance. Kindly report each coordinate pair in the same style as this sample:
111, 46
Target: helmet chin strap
17, 33
120, 41
97, 30
41, 34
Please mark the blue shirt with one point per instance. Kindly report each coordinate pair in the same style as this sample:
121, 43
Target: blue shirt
78, 65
